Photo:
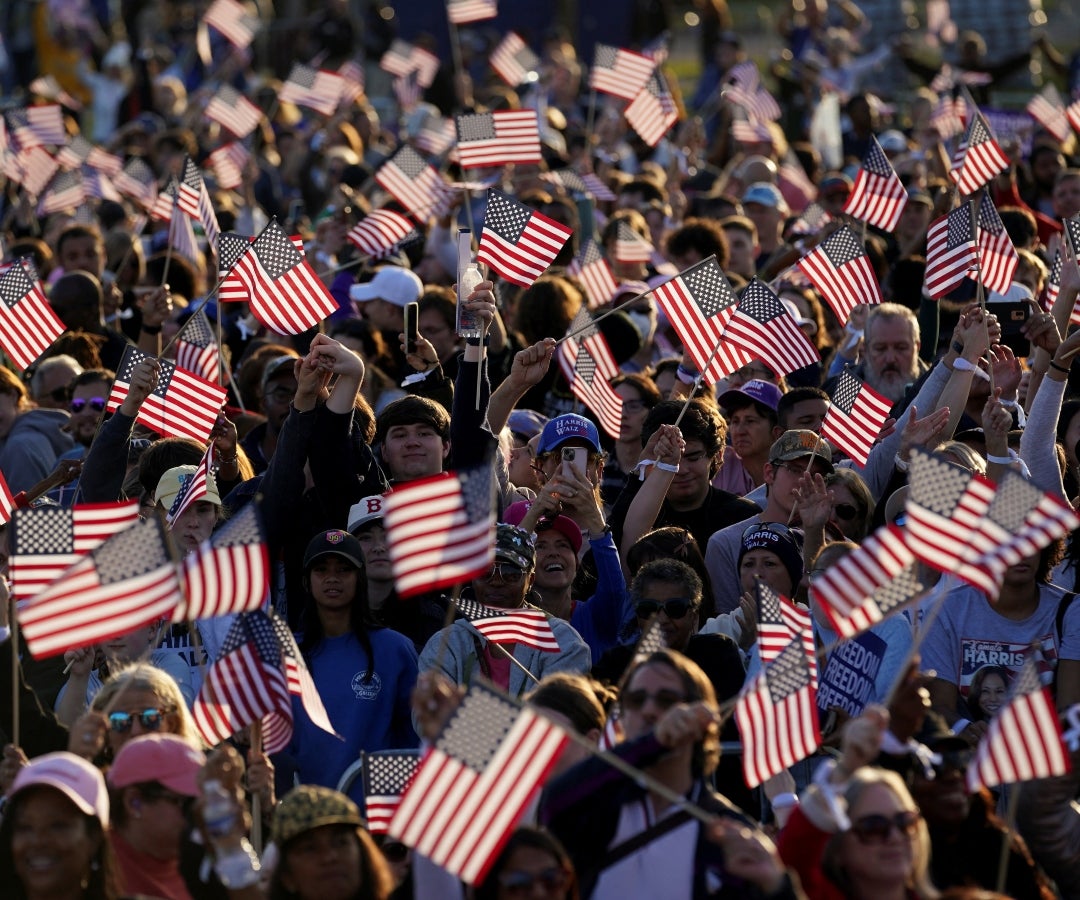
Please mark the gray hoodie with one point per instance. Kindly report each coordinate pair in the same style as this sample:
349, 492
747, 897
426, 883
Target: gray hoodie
32, 447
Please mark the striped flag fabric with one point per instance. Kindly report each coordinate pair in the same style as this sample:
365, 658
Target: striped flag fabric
194, 199
298, 679
65, 191
228, 162
513, 60
592, 270
528, 626
28, 325
193, 487
982, 158
440, 530
812, 220
379, 232
48, 540
462, 12
32, 126
498, 138
653, 111
779, 621
35, 167
745, 89
48, 88
1048, 109
231, 19
403, 58
182, 235
1072, 113
436, 136
777, 714
137, 181
856, 415
7, 501
182, 404
166, 202
386, 775
282, 289
413, 182
475, 782
1024, 740
997, 255
841, 271
948, 116
518, 242
1053, 286
588, 366
80, 152
127, 581
316, 89
878, 197
352, 81
98, 184
230, 572
868, 584
631, 247
621, 73
763, 328
950, 251
699, 302
233, 111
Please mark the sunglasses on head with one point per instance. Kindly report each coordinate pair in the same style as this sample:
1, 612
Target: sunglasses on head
845, 511
674, 609
97, 404
773, 527
520, 884
635, 700
875, 829
150, 719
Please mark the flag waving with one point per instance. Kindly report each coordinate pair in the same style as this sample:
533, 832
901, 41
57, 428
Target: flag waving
763, 328
386, 774
982, 158
587, 364
950, 251
592, 270
878, 196
840, 269
855, 418
526, 626
997, 256
621, 73
518, 242
498, 138
28, 324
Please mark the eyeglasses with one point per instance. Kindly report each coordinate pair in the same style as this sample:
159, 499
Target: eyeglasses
97, 404
799, 470
520, 884
635, 700
60, 394
875, 829
845, 511
674, 609
150, 719
508, 573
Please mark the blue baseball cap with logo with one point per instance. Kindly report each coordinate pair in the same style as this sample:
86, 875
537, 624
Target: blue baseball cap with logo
565, 428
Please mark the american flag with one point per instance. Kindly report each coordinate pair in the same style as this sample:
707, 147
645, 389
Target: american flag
283, 291
518, 242
751, 131
380, 231
386, 774
232, 20
513, 61
7, 501
878, 196
592, 270
777, 714
855, 418
47, 540
229, 573
699, 303
873, 581
137, 180
619, 72
763, 328
1072, 113
652, 112
440, 530
194, 199
228, 162
127, 581
48, 88
182, 235
948, 116
232, 110
28, 324
1024, 739
166, 202
812, 220
412, 181
1053, 286
36, 168
526, 626
98, 184
779, 622
182, 404
1048, 109
746, 90
840, 269
436, 135
32, 126
65, 191
316, 89
352, 80
945, 507
982, 158
498, 138
252, 681
997, 256
462, 12
475, 782
587, 364
403, 58
81, 152
950, 251
631, 247
192, 487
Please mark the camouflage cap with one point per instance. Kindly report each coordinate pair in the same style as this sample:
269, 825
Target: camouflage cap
512, 545
798, 444
310, 806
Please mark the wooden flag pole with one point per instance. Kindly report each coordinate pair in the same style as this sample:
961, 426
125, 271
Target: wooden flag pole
256, 800
1006, 842
696, 385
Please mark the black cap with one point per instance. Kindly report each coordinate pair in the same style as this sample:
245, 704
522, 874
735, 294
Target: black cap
334, 543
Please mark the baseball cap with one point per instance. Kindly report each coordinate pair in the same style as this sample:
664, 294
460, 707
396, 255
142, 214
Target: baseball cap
391, 283
794, 312
766, 194
74, 777
172, 482
566, 526
798, 444
835, 181
762, 393
165, 758
307, 807
526, 422
367, 510
893, 141
566, 427
512, 545
334, 543
274, 368
918, 195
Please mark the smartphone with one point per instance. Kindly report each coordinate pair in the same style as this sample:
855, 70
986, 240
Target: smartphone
1012, 317
575, 458
412, 326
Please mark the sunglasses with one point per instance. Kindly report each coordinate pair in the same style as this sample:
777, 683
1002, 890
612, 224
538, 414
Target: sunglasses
150, 719
673, 609
635, 700
97, 404
845, 511
509, 574
520, 884
772, 527
953, 760
875, 829
181, 802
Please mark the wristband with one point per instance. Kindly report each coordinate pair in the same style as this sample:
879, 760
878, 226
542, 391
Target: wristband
962, 365
901, 465
156, 329
784, 801
475, 341
226, 462
1000, 460
666, 467
1062, 369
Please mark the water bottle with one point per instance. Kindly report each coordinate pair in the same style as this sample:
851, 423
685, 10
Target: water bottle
468, 324
235, 861
219, 811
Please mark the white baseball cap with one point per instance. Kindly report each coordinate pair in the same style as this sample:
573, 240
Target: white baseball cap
391, 283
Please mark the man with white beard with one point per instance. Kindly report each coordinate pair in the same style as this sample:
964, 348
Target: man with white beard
891, 350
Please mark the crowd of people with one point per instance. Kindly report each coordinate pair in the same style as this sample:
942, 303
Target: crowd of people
645, 548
